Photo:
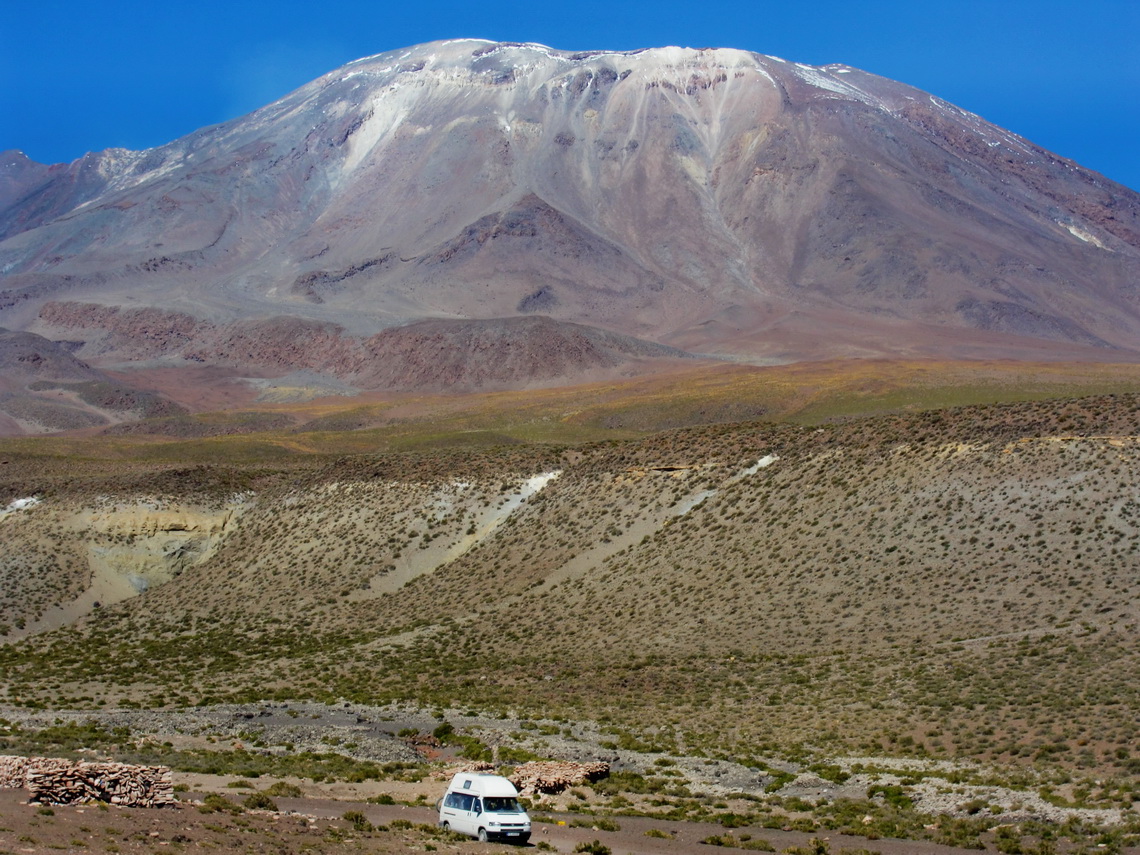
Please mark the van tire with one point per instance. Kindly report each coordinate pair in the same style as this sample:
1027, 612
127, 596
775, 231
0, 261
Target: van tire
446, 826
482, 835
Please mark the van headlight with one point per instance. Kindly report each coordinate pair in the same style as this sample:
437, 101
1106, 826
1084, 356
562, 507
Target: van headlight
493, 824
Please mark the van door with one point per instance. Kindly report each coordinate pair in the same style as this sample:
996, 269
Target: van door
475, 816
457, 812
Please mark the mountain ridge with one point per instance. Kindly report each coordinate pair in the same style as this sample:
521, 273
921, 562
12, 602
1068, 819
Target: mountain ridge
716, 201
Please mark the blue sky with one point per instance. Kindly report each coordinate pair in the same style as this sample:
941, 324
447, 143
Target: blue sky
78, 76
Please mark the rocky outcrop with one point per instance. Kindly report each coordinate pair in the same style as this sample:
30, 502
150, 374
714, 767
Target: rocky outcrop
433, 355
46, 387
131, 333
500, 352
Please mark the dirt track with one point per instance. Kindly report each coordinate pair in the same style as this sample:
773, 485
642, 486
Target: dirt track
318, 826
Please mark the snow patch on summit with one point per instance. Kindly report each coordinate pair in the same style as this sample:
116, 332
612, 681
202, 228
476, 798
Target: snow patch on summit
821, 80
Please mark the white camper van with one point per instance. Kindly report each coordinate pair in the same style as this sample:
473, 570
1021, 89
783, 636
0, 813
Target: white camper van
484, 806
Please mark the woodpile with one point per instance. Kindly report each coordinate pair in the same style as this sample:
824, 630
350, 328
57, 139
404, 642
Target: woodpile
64, 782
554, 776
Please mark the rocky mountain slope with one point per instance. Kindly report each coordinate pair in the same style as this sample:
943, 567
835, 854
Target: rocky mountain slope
45, 388
953, 584
716, 201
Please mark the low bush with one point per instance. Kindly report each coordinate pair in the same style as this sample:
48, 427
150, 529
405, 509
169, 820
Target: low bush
285, 790
359, 821
259, 801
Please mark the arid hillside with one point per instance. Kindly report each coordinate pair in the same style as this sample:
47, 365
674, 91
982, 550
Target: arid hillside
957, 583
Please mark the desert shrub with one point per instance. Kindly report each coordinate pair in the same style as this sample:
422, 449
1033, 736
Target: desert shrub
892, 795
594, 847
1008, 840
815, 847
734, 820
757, 845
516, 755
214, 803
720, 840
259, 801
778, 781
335, 835
359, 821
829, 772
601, 823
285, 790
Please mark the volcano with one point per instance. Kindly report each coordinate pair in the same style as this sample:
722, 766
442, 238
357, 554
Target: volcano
649, 206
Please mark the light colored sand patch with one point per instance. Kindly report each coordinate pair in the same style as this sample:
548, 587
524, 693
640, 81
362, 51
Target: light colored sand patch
17, 505
763, 463
690, 502
648, 524
417, 562
138, 545
594, 557
687, 504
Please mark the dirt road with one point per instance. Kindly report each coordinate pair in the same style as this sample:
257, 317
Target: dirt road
319, 827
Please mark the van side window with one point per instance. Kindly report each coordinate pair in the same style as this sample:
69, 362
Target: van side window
459, 801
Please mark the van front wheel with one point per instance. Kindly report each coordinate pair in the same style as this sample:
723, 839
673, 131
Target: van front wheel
446, 826
482, 835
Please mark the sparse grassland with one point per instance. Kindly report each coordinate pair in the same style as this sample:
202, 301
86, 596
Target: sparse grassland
949, 585
803, 393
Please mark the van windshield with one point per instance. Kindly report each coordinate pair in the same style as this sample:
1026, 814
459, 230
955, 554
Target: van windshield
501, 804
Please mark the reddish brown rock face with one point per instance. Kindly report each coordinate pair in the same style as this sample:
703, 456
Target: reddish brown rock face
716, 201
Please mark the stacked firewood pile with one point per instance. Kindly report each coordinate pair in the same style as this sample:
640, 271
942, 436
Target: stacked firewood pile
554, 776
63, 782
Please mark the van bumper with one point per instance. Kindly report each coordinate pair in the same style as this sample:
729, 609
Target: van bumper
508, 836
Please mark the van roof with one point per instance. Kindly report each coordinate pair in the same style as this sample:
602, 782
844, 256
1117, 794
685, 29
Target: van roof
482, 784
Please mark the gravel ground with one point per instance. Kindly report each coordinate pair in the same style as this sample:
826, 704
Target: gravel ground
318, 827
370, 733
